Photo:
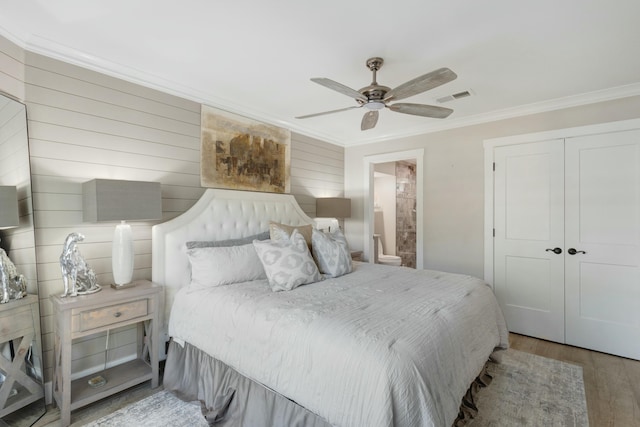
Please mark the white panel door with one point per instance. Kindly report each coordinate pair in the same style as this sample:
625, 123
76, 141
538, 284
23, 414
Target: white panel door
602, 278
529, 226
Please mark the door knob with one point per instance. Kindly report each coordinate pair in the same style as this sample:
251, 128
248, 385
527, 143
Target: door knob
572, 251
556, 251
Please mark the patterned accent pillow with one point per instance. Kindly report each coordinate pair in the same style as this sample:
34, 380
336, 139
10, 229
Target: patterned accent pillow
332, 253
279, 231
288, 263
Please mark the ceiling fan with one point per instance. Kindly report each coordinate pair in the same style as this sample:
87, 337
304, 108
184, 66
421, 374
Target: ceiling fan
375, 97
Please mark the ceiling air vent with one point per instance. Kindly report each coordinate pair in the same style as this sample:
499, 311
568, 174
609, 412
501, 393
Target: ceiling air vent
458, 95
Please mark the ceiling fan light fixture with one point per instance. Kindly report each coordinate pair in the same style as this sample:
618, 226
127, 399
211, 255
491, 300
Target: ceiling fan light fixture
374, 105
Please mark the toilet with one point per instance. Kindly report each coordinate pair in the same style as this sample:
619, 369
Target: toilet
387, 259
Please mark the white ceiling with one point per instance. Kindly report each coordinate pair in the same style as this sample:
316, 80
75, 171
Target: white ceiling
256, 57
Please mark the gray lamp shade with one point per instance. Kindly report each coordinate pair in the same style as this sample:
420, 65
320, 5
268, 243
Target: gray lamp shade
333, 207
9, 207
120, 200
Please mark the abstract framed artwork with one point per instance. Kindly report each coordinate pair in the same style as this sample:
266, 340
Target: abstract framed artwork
239, 153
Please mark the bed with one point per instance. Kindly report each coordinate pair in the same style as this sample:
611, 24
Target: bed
379, 346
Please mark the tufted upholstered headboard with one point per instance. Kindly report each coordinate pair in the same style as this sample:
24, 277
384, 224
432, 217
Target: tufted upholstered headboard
218, 215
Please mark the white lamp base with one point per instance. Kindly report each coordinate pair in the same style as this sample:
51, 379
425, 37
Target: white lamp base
122, 254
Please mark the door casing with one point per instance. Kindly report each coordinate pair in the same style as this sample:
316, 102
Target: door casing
369, 163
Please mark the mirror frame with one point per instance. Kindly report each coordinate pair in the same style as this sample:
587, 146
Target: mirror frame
19, 244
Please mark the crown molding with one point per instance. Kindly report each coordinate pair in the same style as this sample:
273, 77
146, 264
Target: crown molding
12, 36
610, 94
51, 49
43, 46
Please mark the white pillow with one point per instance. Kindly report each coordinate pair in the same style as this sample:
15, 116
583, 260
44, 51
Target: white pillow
288, 263
218, 266
331, 252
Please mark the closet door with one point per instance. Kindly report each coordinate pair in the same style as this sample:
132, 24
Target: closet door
603, 227
529, 237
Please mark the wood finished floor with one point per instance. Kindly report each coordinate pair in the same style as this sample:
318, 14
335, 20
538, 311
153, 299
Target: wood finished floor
612, 387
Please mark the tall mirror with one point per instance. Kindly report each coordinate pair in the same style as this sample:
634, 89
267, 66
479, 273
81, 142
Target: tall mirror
21, 375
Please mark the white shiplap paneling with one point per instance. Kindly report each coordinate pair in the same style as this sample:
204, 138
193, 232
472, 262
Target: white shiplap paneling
84, 125
11, 69
317, 170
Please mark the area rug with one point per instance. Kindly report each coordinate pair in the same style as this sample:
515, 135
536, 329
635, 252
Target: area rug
527, 390
159, 409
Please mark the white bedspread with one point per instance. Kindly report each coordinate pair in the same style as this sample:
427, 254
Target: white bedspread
382, 346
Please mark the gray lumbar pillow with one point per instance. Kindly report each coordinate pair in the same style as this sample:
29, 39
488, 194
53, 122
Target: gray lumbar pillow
227, 243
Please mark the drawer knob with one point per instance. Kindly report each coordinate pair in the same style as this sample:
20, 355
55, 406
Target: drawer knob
117, 314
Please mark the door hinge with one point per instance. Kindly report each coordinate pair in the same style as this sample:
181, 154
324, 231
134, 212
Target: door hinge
494, 232
494, 166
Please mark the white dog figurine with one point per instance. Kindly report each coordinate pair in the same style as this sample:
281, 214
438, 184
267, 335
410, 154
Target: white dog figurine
14, 285
77, 276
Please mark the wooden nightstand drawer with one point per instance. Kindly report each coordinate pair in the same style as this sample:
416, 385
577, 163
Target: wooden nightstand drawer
104, 316
15, 320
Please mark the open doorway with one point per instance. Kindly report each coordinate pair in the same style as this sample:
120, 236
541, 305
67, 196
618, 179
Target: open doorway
394, 212
393, 206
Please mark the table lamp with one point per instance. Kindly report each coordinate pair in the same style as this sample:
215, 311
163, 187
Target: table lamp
333, 207
120, 200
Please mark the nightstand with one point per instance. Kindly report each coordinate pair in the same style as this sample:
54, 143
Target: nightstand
77, 317
356, 255
19, 323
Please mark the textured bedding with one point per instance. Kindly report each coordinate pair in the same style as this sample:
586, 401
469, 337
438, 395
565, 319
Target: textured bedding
381, 346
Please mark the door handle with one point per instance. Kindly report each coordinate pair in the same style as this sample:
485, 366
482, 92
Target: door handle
556, 251
572, 251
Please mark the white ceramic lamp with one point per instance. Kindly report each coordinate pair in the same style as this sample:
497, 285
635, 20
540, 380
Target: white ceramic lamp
122, 254
119, 200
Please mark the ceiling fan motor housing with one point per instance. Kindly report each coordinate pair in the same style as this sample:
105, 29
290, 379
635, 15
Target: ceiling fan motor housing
375, 93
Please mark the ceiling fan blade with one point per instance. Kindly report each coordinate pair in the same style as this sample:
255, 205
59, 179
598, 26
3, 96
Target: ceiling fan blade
328, 112
339, 87
421, 110
369, 120
421, 84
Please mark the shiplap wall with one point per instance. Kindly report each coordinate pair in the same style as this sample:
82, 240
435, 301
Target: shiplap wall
86, 125
317, 170
11, 69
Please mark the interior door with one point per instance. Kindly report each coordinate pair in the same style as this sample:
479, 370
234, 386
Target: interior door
529, 237
603, 227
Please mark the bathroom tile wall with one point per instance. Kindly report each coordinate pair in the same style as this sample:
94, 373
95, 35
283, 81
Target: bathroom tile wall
406, 213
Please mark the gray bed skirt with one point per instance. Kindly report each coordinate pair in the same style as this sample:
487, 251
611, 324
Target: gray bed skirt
228, 398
